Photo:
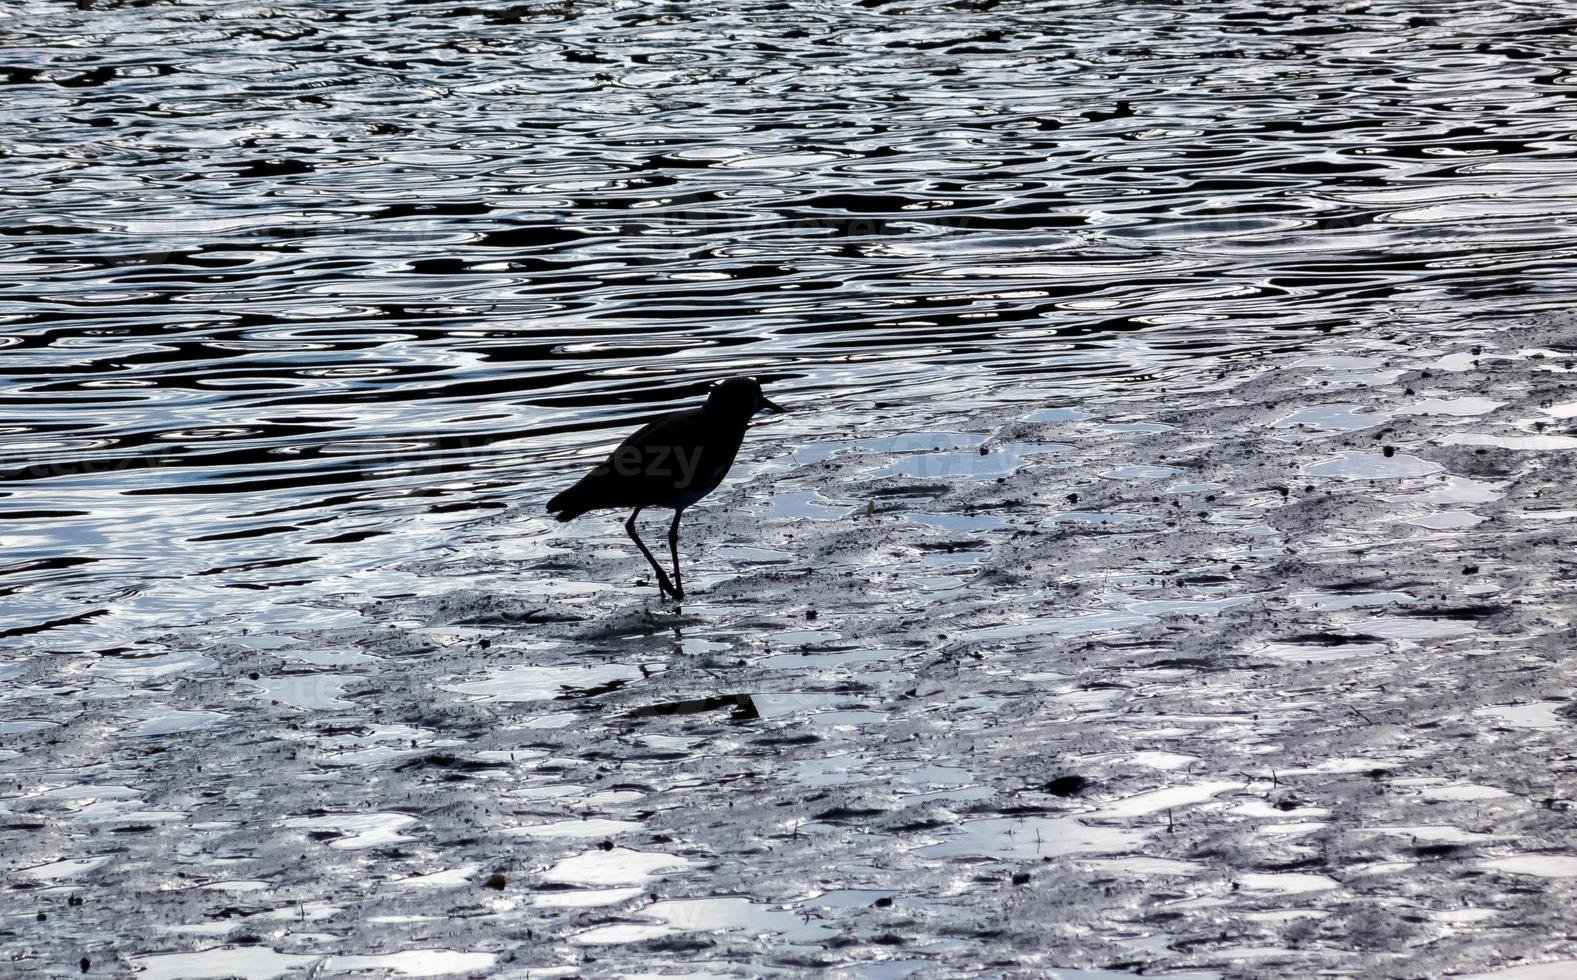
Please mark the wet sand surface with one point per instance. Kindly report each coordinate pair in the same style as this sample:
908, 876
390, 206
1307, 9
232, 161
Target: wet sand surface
1257, 677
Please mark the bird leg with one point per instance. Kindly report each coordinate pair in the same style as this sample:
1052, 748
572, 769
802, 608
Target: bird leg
673, 550
662, 577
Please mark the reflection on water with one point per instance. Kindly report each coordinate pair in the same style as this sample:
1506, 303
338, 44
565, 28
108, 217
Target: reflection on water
305, 308
287, 293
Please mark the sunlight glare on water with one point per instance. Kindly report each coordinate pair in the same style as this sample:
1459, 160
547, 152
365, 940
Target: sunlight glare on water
289, 290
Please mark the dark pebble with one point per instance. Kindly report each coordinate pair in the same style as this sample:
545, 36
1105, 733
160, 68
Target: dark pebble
1067, 785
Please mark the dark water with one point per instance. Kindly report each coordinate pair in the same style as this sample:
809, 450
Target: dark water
292, 288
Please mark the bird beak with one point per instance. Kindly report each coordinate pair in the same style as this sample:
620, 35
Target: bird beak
771, 406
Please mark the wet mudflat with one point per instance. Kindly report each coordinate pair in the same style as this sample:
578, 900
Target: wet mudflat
305, 311
1261, 678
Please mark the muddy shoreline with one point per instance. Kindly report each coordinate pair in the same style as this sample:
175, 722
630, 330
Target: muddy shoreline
1260, 678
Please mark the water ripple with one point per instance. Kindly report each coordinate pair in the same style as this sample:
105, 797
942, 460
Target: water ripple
440, 248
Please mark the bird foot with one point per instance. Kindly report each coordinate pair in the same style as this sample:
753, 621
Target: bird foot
667, 589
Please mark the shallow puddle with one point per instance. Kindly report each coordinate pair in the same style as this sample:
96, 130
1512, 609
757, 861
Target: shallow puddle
1520, 443
1353, 465
1534, 715
1286, 883
999, 461
1549, 970
1454, 520
1438, 834
65, 870
531, 683
150, 666
1156, 801
1534, 865
1353, 600
1458, 793
164, 720
1140, 471
311, 692
731, 915
589, 827
411, 963
1464, 407
585, 898
1027, 838
1057, 415
1162, 760
223, 963
1333, 418
806, 505
354, 831
614, 866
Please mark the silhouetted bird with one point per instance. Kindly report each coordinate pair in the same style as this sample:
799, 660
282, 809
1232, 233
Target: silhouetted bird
670, 462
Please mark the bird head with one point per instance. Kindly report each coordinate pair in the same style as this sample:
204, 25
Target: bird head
740, 398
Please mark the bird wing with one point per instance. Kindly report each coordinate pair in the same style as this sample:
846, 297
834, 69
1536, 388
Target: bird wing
656, 463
